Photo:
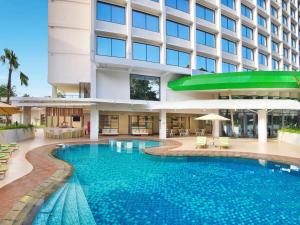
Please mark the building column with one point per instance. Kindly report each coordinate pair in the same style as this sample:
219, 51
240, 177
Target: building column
54, 92
26, 115
163, 124
262, 126
94, 124
216, 128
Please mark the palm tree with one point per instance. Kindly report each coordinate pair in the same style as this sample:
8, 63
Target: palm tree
10, 58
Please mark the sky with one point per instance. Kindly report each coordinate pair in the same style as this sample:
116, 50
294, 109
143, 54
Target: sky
24, 29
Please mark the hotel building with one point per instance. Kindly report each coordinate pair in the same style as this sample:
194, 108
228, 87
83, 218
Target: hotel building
153, 66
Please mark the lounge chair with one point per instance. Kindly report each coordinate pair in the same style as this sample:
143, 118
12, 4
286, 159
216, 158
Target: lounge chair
224, 142
4, 157
6, 150
13, 146
201, 142
3, 169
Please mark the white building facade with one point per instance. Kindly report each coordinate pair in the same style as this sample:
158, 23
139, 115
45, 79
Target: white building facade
106, 50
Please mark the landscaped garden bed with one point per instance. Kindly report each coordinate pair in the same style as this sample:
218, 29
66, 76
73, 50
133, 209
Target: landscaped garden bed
289, 135
15, 133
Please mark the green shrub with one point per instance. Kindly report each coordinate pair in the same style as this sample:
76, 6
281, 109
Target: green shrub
14, 126
291, 130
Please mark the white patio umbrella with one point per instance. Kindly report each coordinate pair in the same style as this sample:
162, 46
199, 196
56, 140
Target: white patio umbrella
212, 117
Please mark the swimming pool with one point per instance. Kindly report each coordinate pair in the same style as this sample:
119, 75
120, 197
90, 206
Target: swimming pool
113, 185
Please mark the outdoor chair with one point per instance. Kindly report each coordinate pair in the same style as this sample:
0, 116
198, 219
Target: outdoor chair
4, 157
3, 169
201, 142
223, 142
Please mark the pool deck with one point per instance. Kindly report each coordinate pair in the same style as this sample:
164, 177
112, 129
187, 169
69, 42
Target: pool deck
34, 174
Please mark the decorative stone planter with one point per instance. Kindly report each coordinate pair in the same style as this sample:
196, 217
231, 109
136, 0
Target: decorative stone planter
291, 138
16, 135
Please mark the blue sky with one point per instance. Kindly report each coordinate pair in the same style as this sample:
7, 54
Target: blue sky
23, 28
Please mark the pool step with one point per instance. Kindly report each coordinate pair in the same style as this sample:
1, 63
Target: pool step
67, 206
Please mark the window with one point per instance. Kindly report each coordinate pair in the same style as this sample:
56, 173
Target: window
228, 67
228, 46
178, 30
293, 43
274, 29
261, 3
205, 13
247, 53
205, 38
182, 5
262, 40
285, 36
146, 52
263, 59
228, 23
285, 52
111, 47
293, 13
284, 20
274, 12
205, 63
145, 21
228, 3
246, 11
262, 21
110, 13
178, 58
275, 47
294, 57
144, 87
285, 67
275, 64
247, 69
247, 32
293, 27
284, 5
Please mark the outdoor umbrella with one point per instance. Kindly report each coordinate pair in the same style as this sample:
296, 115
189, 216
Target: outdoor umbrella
7, 110
212, 117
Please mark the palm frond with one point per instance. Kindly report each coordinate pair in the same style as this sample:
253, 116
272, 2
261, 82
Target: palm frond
24, 79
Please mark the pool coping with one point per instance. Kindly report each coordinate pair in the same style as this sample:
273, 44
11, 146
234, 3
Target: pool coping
25, 209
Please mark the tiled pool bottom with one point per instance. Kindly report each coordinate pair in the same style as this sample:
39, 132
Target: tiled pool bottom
119, 186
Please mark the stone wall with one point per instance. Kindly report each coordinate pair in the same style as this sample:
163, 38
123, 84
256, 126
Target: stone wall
287, 137
16, 135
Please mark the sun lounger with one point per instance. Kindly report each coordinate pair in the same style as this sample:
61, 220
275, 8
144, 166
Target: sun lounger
3, 169
224, 142
13, 146
201, 142
4, 157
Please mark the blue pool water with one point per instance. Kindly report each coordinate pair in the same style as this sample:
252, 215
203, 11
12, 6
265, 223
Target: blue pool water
119, 186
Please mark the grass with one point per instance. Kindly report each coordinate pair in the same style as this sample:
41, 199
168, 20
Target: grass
290, 130
14, 126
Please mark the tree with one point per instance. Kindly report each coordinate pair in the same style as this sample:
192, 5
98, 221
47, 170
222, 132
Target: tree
3, 91
26, 95
60, 94
10, 58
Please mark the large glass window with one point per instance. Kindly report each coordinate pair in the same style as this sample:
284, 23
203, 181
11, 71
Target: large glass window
285, 52
178, 58
285, 36
228, 46
262, 40
146, 52
263, 59
111, 47
247, 53
144, 87
274, 29
228, 23
275, 64
261, 3
274, 12
182, 5
145, 21
207, 64
205, 38
275, 47
228, 67
178, 30
262, 21
247, 32
284, 20
205, 13
229, 3
110, 13
246, 11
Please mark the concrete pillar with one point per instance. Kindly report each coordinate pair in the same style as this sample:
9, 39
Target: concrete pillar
26, 115
94, 126
216, 128
54, 92
262, 126
128, 28
163, 124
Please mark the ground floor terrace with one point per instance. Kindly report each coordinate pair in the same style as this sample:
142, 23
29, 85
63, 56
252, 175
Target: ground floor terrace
32, 168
